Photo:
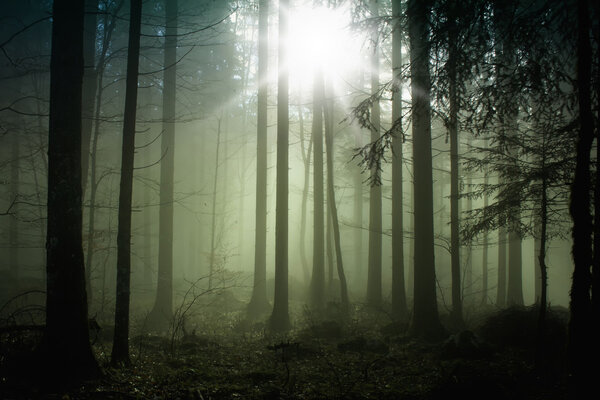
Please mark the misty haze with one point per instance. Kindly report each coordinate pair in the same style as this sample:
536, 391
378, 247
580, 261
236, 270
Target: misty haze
299, 199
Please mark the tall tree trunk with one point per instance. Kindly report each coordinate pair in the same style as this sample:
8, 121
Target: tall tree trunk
375, 226
582, 338
514, 292
280, 319
468, 252
13, 223
89, 262
259, 303
328, 109
501, 286
306, 157
596, 233
120, 350
329, 246
213, 223
94, 181
162, 311
357, 215
317, 285
541, 347
399, 307
537, 277
65, 348
457, 306
90, 85
484, 251
425, 321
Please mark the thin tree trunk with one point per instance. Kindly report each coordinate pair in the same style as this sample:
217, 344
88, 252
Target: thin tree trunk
457, 312
399, 307
537, 277
120, 350
317, 286
484, 252
357, 215
13, 222
375, 226
501, 286
93, 154
328, 109
541, 347
306, 157
259, 303
280, 319
329, 246
162, 311
213, 223
514, 293
90, 85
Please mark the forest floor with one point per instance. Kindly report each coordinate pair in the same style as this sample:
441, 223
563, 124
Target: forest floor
364, 356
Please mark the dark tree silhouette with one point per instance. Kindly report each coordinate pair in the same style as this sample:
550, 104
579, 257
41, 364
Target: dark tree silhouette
425, 322
66, 350
162, 312
582, 337
120, 350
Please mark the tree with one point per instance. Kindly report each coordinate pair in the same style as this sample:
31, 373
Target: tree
259, 303
317, 283
93, 156
328, 111
90, 85
425, 322
120, 350
280, 319
13, 224
581, 336
399, 307
501, 286
163, 306
306, 158
65, 347
375, 227
453, 98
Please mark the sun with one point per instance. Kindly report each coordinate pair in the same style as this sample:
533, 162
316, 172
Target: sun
321, 38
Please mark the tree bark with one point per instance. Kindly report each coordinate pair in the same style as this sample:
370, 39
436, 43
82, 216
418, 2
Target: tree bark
162, 311
306, 158
13, 223
317, 285
65, 349
280, 320
328, 110
120, 350
90, 85
425, 321
457, 306
582, 337
514, 293
484, 251
259, 303
399, 307
375, 226
501, 286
